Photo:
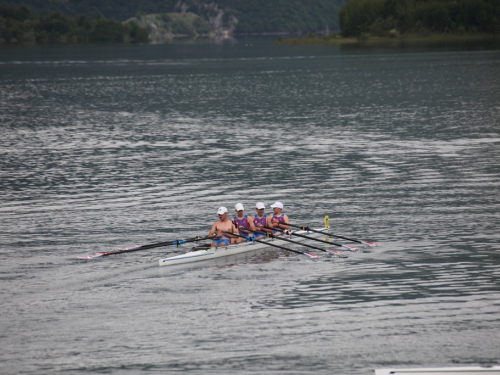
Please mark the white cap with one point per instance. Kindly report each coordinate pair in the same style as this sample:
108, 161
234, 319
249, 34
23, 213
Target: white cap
277, 204
221, 210
238, 207
260, 205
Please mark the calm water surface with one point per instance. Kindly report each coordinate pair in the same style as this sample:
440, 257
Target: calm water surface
105, 147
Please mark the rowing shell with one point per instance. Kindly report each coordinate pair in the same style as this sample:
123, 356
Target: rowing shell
441, 371
212, 253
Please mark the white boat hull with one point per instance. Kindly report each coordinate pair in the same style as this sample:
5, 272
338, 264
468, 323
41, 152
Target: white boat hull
213, 253
494, 370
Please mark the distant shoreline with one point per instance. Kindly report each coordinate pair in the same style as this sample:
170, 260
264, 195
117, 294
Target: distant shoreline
400, 39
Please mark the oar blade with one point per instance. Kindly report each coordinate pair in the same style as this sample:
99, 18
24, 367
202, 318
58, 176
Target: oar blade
337, 254
350, 248
370, 244
312, 256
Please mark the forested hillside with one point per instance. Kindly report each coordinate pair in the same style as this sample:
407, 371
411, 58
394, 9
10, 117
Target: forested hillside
392, 17
19, 26
247, 16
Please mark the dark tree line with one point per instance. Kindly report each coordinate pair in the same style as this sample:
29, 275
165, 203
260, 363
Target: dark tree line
254, 16
284, 15
120, 10
20, 26
381, 17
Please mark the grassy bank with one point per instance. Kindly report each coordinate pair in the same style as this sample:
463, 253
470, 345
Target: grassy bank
395, 39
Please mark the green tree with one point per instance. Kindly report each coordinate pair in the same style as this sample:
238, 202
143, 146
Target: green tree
18, 14
441, 16
107, 31
54, 23
182, 28
137, 34
434, 16
201, 26
357, 16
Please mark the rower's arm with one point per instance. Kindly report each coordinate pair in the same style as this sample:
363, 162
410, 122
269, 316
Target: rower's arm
213, 231
251, 225
283, 225
271, 223
235, 229
286, 221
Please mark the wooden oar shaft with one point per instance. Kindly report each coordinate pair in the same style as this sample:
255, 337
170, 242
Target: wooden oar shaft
167, 243
333, 235
332, 243
145, 247
305, 228
294, 242
312, 238
270, 244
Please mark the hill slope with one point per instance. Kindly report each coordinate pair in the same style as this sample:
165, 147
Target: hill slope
383, 17
242, 16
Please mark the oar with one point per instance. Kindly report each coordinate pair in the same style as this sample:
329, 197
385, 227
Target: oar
338, 253
350, 248
371, 244
144, 247
251, 238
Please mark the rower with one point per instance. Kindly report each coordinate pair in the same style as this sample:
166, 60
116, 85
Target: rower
260, 221
279, 219
242, 223
221, 226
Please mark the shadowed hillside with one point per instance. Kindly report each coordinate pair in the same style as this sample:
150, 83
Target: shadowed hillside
238, 16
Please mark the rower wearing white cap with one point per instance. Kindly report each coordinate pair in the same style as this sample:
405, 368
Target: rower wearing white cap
279, 219
221, 226
260, 221
242, 223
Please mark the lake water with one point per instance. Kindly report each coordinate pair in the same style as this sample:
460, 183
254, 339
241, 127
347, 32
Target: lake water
112, 146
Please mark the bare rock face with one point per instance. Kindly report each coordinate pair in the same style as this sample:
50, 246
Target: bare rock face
219, 24
181, 7
215, 17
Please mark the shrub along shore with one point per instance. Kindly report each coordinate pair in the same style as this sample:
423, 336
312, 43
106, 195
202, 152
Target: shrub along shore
398, 21
18, 26
337, 38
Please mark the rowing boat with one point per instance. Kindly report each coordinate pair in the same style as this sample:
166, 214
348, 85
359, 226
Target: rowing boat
478, 370
212, 253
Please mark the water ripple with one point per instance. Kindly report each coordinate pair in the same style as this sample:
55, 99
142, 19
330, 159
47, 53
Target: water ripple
398, 148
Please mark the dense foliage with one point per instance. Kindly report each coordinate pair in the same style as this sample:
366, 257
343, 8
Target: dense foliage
255, 16
284, 15
19, 25
383, 17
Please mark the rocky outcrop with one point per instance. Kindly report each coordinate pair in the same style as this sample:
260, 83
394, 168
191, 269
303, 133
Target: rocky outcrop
181, 7
156, 25
198, 20
215, 17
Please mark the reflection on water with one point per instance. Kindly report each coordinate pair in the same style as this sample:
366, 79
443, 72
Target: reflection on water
110, 147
